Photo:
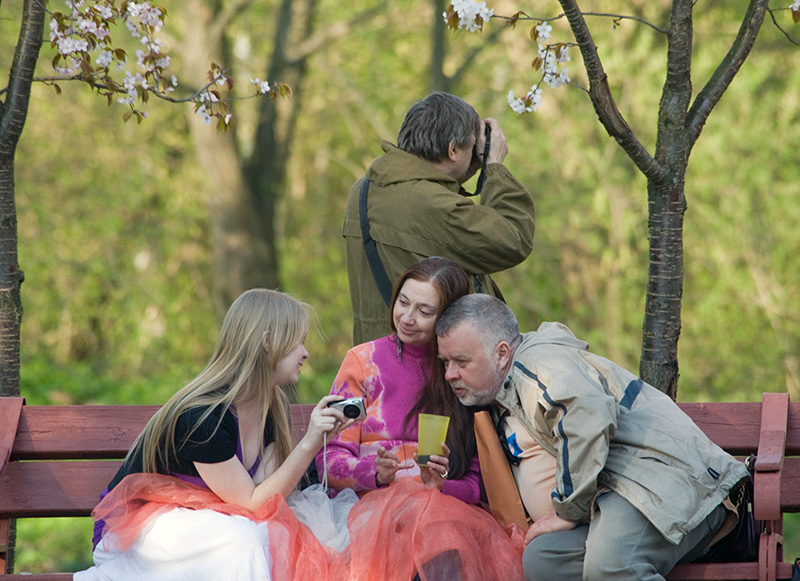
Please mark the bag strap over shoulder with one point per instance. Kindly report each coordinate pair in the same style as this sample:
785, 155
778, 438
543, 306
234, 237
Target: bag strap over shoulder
501, 489
375, 264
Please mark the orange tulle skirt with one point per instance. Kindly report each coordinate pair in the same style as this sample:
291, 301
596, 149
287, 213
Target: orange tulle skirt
409, 529
395, 533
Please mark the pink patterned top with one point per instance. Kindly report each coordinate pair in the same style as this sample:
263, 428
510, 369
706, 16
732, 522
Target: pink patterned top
391, 386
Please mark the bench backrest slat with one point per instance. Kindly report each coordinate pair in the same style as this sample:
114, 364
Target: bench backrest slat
85, 432
73, 432
54, 489
716, 419
50, 432
106, 432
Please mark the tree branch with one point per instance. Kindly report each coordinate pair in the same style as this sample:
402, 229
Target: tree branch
779, 27
677, 92
470, 58
15, 109
603, 101
716, 86
224, 16
332, 32
599, 14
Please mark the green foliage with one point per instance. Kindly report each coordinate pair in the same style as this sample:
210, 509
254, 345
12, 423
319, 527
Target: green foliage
46, 545
113, 256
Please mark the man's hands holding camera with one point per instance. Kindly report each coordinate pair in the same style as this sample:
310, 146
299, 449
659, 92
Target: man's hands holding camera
498, 147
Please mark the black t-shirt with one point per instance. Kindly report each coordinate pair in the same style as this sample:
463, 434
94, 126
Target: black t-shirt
207, 444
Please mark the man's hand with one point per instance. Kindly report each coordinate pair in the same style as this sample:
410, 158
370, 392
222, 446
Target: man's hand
498, 147
548, 524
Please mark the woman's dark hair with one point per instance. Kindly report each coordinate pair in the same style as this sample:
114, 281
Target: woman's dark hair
450, 282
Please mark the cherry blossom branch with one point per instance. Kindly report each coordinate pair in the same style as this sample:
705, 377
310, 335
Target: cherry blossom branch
85, 51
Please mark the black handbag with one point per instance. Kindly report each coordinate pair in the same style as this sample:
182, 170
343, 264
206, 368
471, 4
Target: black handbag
741, 544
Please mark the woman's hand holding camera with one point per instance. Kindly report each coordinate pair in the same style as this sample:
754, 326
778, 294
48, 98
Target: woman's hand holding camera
326, 420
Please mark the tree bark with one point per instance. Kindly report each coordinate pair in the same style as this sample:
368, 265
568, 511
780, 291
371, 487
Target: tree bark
13, 113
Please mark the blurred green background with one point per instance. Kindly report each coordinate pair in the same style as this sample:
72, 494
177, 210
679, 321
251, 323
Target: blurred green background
114, 227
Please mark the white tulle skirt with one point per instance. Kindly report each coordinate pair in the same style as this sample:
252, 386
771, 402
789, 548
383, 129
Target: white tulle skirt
326, 517
191, 545
197, 545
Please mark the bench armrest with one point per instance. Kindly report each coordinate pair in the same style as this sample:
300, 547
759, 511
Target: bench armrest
769, 458
10, 411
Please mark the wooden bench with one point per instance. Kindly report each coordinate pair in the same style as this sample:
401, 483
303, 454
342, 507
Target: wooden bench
56, 460
771, 430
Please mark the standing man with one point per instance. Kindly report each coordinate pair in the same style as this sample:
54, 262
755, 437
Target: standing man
637, 485
416, 207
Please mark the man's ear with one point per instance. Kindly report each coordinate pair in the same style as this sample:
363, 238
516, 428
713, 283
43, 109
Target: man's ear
452, 150
502, 352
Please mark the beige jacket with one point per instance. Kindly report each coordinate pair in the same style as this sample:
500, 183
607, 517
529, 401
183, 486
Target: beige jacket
606, 427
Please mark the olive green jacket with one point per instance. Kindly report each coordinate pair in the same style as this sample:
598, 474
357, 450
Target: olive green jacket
416, 211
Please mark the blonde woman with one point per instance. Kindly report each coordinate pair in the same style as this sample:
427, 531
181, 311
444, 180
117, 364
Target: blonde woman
201, 494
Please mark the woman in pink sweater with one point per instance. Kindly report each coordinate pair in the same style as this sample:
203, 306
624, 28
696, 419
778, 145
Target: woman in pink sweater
399, 376
413, 519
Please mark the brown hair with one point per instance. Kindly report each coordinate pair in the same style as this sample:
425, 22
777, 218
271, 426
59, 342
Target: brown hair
450, 282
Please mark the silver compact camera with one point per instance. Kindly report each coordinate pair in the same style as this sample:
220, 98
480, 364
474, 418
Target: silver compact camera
352, 408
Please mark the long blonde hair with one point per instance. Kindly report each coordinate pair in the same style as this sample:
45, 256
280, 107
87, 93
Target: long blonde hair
260, 328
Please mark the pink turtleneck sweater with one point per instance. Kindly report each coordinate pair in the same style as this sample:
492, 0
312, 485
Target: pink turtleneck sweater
391, 386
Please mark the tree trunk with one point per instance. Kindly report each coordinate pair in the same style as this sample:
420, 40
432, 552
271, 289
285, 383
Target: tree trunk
242, 241
439, 81
13, 113
679, 127
246, 192
266, 171
667, 205
10, 279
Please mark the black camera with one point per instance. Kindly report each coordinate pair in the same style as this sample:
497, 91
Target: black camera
352, 408
482, 161
486, 145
